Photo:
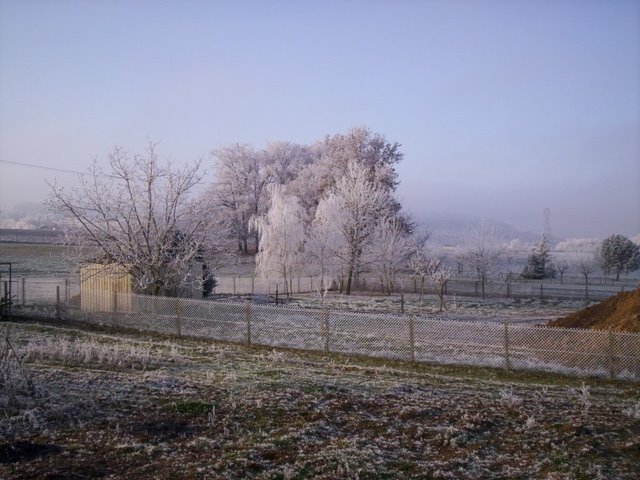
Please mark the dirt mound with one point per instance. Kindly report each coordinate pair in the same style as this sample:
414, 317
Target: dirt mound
620, 313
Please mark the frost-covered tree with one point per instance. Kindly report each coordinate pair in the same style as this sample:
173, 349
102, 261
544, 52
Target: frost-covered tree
362, 204
482, 254
323, 240
420, 265
587, 264
332, 157
142, 215
282, 237
239, 189
539, 263
390, 249
619, 255
439, 276
562, 267
283, 161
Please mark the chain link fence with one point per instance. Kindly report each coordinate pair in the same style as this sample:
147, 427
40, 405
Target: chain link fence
398, 337
549, 289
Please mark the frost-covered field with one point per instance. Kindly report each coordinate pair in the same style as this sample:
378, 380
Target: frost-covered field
86, 404
532, 310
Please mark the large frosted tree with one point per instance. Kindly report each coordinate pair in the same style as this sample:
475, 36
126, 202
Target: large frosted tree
239, 189
282, 236
360, 205
332, 156
322, 241
618, 254
140, 214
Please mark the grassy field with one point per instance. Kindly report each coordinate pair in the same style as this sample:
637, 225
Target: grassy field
87, 404
30, 259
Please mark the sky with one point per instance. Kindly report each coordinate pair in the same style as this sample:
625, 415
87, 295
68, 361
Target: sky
503, 108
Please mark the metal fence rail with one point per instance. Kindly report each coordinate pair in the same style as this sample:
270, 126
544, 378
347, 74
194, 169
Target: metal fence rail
401, 337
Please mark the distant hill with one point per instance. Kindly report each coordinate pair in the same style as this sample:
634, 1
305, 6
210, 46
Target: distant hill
456, 229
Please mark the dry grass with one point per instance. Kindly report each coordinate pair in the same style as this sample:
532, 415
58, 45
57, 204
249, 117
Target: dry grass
205, 410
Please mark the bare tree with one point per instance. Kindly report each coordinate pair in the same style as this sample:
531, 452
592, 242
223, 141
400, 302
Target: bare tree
389, 251
562, 266
587, 264
420, 264
482, 254
139, 215
282, 236
439, 276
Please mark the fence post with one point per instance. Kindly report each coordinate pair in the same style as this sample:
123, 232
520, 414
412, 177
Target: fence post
506, 346
247, 312
115, 308
612, 359
541, 294
57, 302
325, 327
412, 337
178, 318
23, 293
66, 290
401, 302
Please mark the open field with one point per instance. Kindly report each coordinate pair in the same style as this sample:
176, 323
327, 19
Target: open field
87, 404
41, 260
532, 310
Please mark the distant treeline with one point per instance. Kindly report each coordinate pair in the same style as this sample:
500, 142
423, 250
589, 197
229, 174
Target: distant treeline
30, 236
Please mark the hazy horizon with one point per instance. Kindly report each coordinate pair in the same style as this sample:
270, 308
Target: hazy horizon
503, 109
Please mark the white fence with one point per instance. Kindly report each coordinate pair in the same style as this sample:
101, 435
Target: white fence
401, 337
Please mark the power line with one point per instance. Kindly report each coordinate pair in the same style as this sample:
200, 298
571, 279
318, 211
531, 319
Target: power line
54, 169
42, 167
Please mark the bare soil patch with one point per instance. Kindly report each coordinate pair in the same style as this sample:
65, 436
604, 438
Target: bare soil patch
618, 313
194, 409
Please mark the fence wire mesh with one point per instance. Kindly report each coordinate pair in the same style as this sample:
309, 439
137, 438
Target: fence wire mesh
401, 337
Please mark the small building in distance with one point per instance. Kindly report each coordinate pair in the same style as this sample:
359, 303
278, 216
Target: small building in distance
100, 285
102, 282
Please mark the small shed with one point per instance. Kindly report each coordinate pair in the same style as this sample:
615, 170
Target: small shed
100, 284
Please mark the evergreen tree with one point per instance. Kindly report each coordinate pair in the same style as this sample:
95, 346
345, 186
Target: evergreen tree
539, 264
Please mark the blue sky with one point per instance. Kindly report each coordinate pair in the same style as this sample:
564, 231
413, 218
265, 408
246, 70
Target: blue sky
503, 108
